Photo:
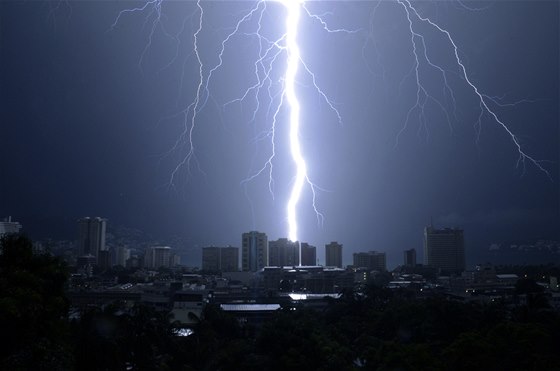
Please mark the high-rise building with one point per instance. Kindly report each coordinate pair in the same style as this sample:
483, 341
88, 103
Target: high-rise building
333, 254
378, 261
308, 254
7, 226
122, 254
229, 259
410, 258
254, 251
225, 259
283, 252
211, 258
158, 256
444, 249
372, 260
275, 258
91, 236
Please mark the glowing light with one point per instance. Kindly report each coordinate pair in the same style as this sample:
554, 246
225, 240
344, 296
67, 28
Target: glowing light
283, 94
292, 48
295, 296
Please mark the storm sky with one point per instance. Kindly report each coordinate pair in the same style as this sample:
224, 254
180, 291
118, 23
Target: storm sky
90, 112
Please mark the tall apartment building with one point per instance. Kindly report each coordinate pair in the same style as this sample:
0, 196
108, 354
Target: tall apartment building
121, 255
211, 258
283, 252
372, 260
224, 259
91, 236
254, 251
158, 256
229, 259
410, 258
308, 254
333, 254
444, 249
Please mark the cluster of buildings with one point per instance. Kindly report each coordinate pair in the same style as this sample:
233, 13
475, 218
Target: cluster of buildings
257, 252
444, 250
255, 280
278, 266
291, 266
92, 250
261, 276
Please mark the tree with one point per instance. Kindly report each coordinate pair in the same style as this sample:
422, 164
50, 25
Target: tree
33, 307
507, 346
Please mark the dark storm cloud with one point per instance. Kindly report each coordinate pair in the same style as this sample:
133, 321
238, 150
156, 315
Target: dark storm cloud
87, 121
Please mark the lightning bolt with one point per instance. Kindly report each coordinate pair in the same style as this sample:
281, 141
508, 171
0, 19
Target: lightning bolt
483, 99
292, 22
278, 94
269, 53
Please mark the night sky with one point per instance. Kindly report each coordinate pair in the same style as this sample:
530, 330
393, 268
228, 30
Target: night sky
90, 114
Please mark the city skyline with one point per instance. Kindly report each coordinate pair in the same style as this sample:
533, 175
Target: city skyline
445, 246
87, 126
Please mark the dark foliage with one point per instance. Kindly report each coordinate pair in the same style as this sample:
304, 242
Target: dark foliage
370, 328
117, 339
33, 308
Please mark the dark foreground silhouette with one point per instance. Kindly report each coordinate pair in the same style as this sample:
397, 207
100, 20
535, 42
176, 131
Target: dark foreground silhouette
371, 328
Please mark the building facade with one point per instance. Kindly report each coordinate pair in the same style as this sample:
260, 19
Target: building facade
211, 259
308, 254
333, 254
372, 260
91, 236
254, 251
283, 252
122, 254
158, 256
410, 258
444, 249
229, 259
224, 259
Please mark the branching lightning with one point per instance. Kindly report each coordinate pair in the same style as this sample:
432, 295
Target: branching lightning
483, 99
292, 21
281, 97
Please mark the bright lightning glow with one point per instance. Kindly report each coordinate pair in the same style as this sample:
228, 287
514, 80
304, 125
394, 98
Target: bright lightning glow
292, 20
273, 96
